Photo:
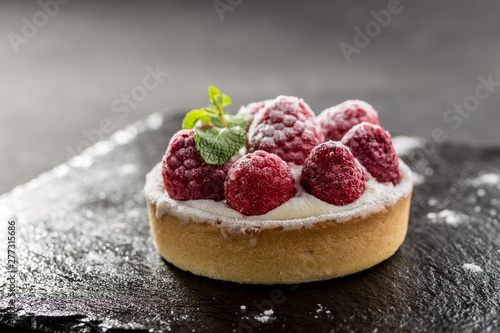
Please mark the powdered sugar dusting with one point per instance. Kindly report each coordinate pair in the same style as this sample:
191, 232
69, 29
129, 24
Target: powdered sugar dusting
487, 179
357, 130
472, 268
337, 120
301, 211
252, 108
404, 145
88, 156
418, 179
446, 216
265, 317
286, 127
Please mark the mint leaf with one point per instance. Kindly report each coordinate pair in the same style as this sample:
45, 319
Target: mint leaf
225, 100
212, 108
218, 145
213, 93
193, 116
236, 120
215, 119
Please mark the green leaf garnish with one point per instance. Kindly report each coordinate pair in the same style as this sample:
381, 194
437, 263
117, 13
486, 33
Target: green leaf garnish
193, 116
236, 120
213, 94
212, 108
218, 145
216, 120
225, 100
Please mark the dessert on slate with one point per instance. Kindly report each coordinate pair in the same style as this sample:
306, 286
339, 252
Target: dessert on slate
275, 194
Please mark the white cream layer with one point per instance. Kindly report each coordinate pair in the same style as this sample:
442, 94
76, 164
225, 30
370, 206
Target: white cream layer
301, 211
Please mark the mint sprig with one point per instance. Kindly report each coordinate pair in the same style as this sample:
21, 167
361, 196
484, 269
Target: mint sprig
193, 116
218, 144
236, 120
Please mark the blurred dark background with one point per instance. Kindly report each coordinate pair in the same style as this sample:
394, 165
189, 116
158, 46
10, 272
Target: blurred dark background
66, 67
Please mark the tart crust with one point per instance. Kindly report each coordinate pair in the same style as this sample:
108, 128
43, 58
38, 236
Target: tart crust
325, 250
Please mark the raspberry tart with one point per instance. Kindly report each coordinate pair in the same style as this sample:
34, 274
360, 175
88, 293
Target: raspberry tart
278, 201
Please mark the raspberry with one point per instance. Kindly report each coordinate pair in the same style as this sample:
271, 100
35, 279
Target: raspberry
286, 127
372, 146
186, 176
258, 183
332, 174
337, 120
252, 109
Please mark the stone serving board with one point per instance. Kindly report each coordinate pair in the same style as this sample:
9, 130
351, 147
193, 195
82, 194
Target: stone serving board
86, 261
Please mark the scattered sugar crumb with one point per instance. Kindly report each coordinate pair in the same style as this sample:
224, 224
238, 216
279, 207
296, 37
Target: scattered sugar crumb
94, 258
118, 226
80, 161
404, 145
134, 213
61, 170
446, 216
128, 169
477, 209
265, 317
472, 268
321, 309
432, 202
490, 179
243, 307
471, 200
126, 135
155, 121
417, 178
481, 192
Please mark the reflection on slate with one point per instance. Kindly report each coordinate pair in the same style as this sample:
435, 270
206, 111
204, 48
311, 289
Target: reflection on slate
87, 263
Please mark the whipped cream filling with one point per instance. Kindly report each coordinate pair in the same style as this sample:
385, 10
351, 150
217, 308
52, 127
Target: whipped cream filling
301, 211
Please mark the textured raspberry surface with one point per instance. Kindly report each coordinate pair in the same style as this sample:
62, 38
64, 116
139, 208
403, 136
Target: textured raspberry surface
372, 146
339, 119
186, 176
286, 127
252, 109
332, 174
258, 182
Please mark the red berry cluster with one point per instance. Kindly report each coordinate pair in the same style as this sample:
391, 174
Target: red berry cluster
335, 150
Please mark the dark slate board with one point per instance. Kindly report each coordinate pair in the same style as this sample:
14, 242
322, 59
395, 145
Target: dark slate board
87, 263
